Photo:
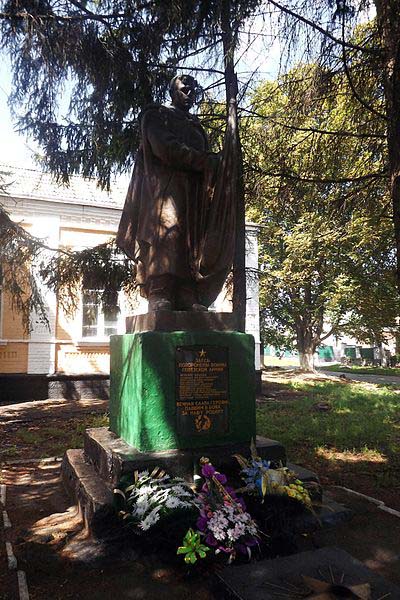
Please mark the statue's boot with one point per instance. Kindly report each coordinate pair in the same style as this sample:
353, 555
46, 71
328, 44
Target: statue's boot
160, 292
187, 297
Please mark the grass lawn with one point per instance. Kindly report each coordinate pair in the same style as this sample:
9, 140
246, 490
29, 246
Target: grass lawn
348, 433
363, 370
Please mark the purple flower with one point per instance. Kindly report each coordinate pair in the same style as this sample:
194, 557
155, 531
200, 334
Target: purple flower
250, 541
241, 502
242, 548
202, 523
221, 478
230, 491
208, 471
210, 540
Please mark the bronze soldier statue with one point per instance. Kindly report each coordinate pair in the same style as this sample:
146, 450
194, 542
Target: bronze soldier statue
166, 225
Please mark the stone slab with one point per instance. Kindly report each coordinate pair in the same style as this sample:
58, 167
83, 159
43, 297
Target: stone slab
161, 401
84, 485
327, 513
112, 456
173, 320
265, 579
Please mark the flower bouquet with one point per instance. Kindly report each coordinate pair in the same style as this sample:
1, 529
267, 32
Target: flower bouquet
223, 522
156, 503
276, 498
263, 480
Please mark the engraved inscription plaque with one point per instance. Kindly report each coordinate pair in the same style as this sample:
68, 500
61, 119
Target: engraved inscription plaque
202, 390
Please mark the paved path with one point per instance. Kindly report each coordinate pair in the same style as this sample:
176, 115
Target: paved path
381, 379
42, 409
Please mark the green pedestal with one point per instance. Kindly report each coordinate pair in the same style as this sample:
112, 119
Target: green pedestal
182, 389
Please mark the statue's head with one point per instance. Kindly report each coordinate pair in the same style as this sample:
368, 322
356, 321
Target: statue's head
183, 90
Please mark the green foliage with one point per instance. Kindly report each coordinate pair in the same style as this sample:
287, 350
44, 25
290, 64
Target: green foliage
353, 441
327, 248
83, 72
192, 547
102, 268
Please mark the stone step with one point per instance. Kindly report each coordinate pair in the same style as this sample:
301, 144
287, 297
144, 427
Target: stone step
84, 485
112, 457
327, 513
302, 473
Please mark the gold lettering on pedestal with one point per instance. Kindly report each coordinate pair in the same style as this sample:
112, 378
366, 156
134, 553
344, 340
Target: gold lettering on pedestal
202, 396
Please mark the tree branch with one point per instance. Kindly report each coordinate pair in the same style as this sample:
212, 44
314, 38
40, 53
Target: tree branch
296, 177
320, 29
352, 86
315, 129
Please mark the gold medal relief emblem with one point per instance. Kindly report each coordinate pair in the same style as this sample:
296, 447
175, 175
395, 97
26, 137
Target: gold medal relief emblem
202, 422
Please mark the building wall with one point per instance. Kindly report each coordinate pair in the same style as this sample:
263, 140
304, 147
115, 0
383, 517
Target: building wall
13, 339
61, 347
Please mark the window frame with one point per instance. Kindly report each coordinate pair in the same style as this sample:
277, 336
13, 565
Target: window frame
100, 335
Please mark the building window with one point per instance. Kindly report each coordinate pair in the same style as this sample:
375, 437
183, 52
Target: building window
97, 323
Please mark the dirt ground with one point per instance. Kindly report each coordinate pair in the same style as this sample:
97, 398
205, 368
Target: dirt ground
59, 559
62, 563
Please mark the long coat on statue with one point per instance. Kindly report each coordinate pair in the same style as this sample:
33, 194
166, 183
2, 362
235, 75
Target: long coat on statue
172, 222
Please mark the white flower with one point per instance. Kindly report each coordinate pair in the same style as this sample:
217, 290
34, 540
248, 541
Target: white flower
160, 496
179, 490
145, 489
218, 525
185, 504
237, 532
173, 502
143, 474
151, 519
140, 510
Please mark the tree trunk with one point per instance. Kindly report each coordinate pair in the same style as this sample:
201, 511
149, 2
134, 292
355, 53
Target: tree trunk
231, 88
305, 343
388, 19
306, 359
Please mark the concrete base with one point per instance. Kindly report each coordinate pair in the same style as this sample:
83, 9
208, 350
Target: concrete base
182, 389
90, 475
112, 457
180, 320
84, 485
